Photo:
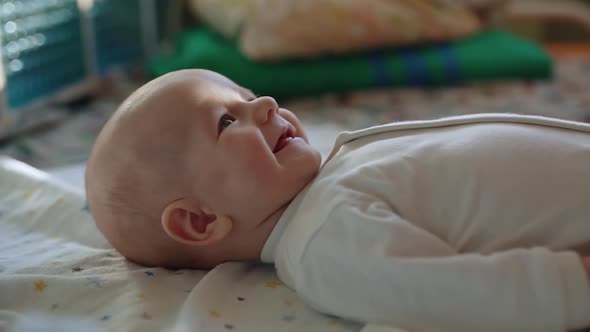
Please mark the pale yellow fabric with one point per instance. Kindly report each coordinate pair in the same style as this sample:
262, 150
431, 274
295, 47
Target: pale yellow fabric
273, 29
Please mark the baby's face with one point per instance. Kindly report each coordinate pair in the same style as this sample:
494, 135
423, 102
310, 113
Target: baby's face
247, 157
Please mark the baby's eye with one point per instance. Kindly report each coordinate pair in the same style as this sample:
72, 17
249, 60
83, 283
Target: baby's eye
224, 122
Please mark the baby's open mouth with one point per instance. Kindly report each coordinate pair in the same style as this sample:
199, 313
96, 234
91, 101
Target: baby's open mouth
283, 140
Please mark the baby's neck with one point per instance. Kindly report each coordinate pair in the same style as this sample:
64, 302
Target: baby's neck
253, 245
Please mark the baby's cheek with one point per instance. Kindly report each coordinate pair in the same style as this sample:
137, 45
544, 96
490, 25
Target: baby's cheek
264, 175
256, 166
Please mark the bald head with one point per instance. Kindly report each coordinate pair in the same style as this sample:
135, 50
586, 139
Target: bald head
193, 161
136, 166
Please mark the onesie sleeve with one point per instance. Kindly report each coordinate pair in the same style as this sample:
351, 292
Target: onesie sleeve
373, 266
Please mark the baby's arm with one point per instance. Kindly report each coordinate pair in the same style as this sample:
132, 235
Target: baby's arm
527, 289
405, 276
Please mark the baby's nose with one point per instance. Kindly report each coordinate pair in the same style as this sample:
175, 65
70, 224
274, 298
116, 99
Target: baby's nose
265, 108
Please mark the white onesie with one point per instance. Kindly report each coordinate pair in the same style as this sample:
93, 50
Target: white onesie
460, 224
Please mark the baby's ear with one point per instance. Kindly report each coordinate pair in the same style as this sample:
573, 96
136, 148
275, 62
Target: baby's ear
189, 223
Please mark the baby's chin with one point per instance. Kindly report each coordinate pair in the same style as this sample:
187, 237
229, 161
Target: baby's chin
316, 160
313, 162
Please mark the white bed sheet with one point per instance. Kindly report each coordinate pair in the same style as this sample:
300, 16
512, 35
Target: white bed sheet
72, 175
53, 261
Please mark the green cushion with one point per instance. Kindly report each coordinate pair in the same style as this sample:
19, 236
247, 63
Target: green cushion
491, 55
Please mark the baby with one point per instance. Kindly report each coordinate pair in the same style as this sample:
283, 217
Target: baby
468, 223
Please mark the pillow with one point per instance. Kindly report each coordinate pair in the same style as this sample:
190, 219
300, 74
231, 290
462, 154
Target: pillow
273, 29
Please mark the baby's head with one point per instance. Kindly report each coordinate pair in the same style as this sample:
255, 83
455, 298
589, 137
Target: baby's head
193, 170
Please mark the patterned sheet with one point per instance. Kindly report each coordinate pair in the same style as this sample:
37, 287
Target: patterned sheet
54, 262
250, 298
